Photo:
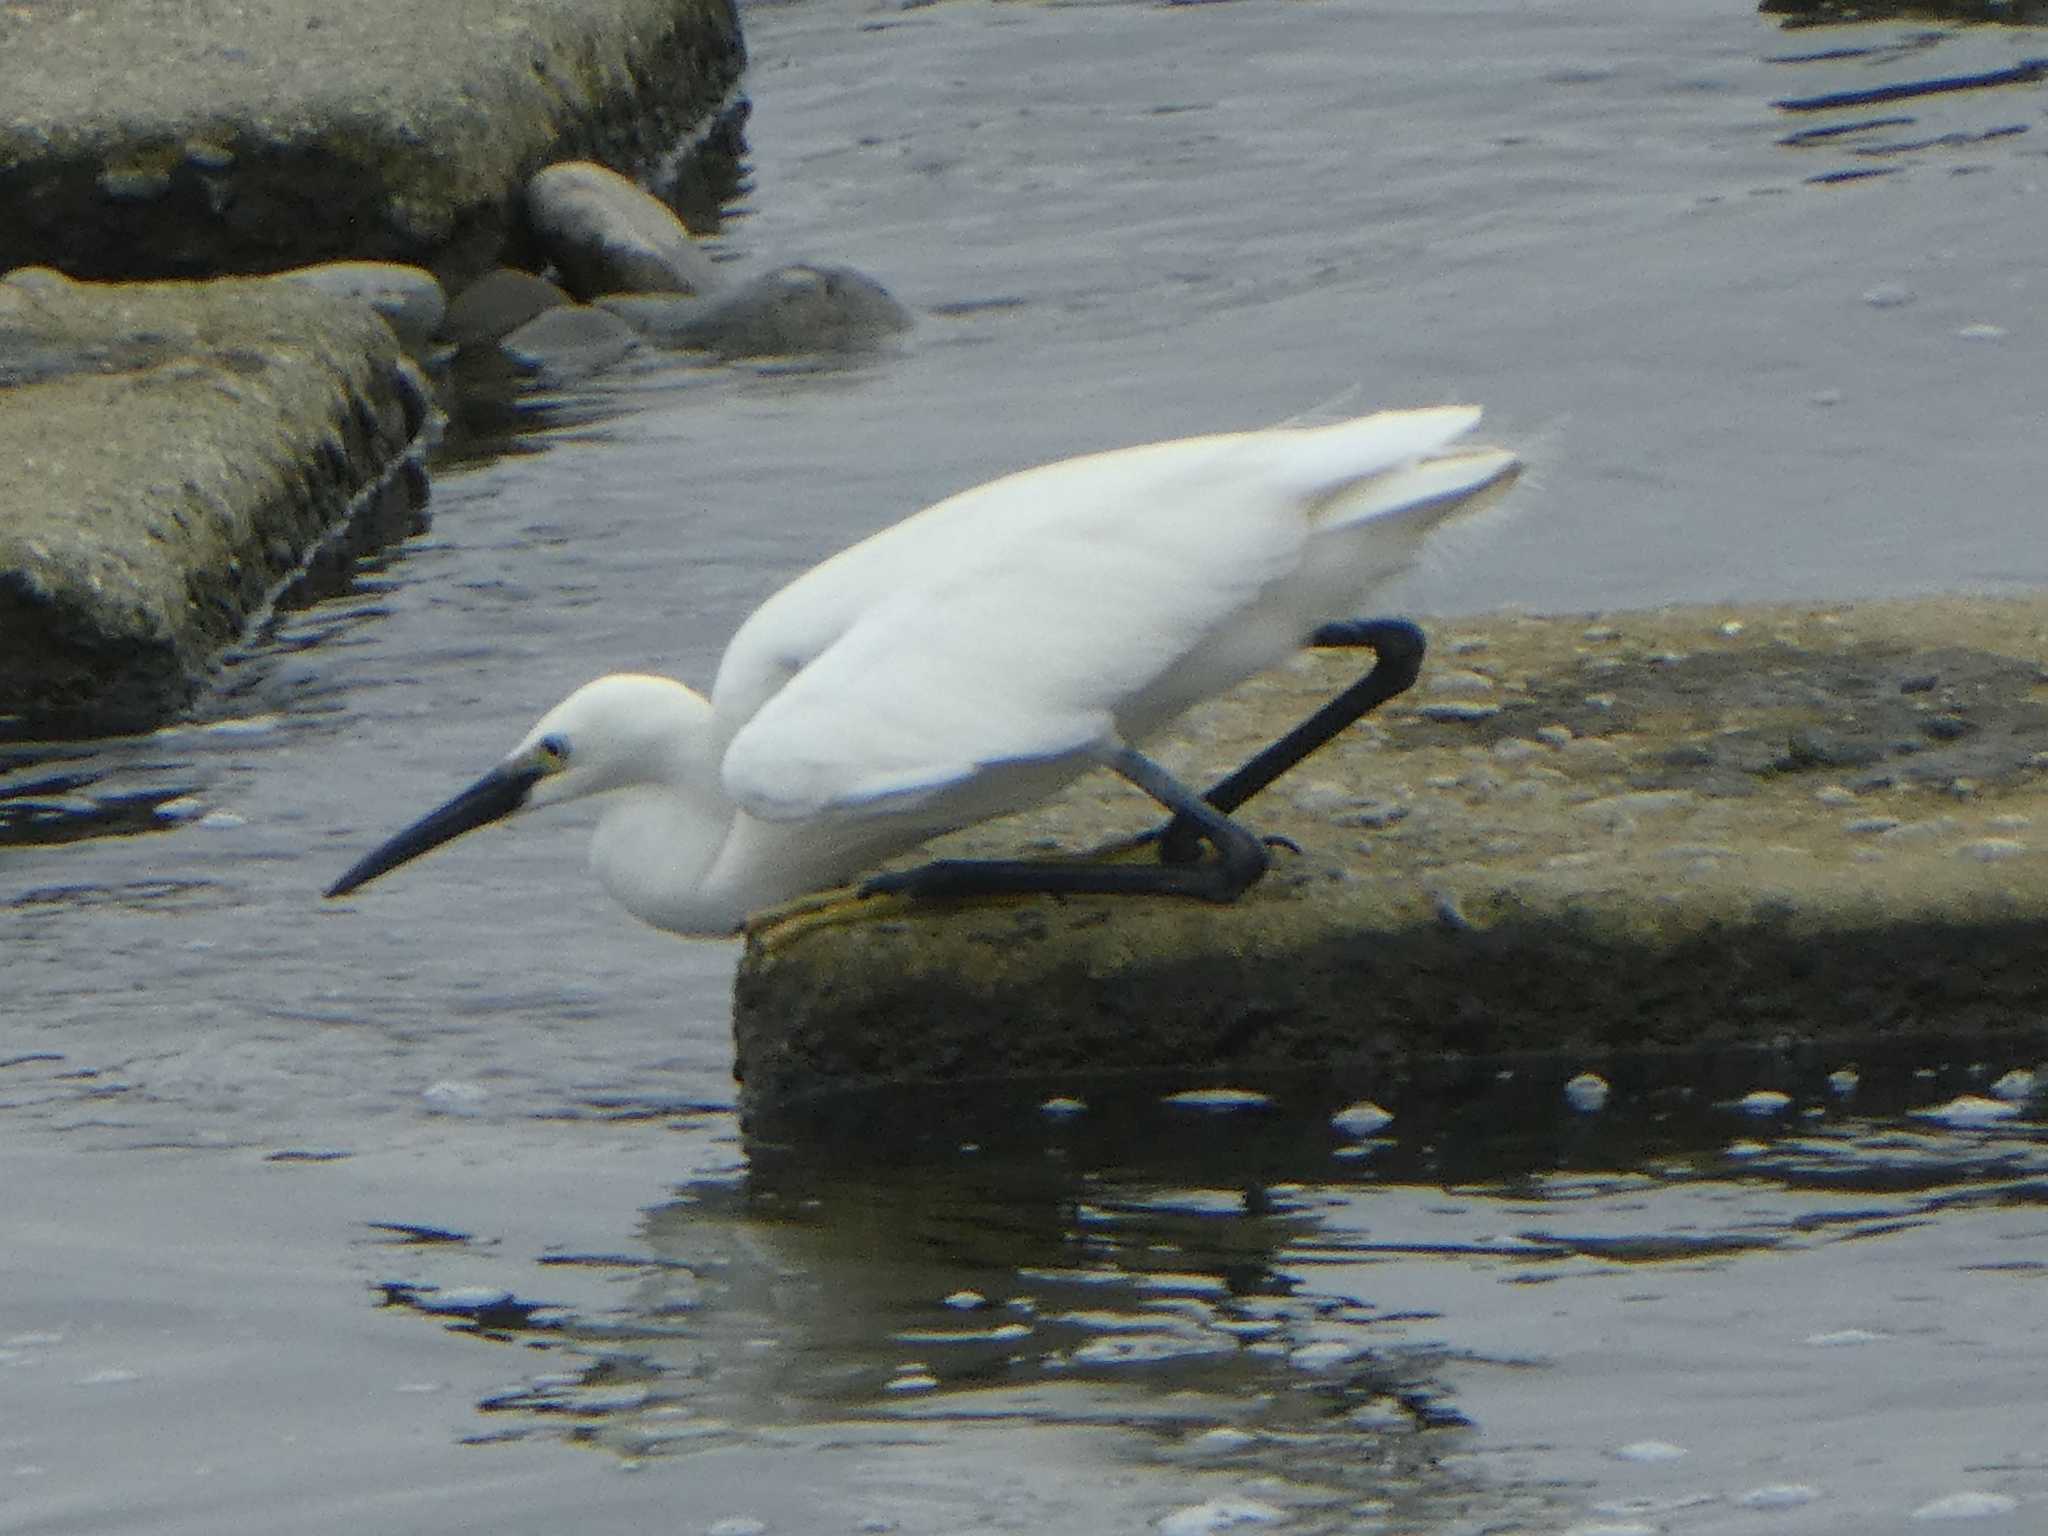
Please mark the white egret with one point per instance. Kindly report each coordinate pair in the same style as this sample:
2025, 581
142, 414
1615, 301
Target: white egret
974, 658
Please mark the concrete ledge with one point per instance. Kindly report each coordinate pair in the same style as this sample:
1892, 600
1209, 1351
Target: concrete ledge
220, 136
171, 453
1583, 838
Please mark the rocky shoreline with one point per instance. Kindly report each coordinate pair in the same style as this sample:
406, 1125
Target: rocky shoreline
178, 442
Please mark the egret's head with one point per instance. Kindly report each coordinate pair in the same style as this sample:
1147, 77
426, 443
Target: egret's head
618, 731
626, 729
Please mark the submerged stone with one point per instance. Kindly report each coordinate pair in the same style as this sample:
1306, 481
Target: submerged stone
606, 235
794, 311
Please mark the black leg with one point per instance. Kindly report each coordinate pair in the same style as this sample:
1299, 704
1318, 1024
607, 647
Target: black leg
1241, 857
1397, 648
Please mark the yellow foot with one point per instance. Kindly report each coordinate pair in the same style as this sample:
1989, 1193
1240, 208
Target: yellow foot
774, 928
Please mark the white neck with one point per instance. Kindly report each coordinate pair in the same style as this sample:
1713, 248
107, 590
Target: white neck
653, 850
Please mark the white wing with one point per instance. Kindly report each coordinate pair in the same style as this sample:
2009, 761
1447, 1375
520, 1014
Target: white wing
1021, 621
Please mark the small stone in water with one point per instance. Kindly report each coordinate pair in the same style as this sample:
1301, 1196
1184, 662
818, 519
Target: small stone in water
1219, 1099
1360, 1120
918, 1381
1981, 332
1842, 1336
1587, 1092
1967, 1506
1843, 1081
736, 1525
966, 1301
1888, 296
1967, 1111
2016, 1085
1059, 1109
1648, 1451
1764, 1101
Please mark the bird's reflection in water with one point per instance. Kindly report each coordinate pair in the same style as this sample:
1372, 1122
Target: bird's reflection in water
1239, 1282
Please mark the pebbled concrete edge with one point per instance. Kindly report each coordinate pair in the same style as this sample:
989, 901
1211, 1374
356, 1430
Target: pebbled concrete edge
224, 443
415, 165
1693, 864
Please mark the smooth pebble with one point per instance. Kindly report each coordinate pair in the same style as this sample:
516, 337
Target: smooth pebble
1764, 1101
1967, 1111
1360, 1120
1587, 1092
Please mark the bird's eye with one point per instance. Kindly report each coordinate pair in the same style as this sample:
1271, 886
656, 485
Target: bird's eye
554, 753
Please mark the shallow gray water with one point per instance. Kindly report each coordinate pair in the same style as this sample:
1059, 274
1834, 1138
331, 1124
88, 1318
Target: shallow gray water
1118, 222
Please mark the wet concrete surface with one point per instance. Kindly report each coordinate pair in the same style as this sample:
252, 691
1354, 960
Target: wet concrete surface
187, 138
1761, 824
176, 458
1736, 382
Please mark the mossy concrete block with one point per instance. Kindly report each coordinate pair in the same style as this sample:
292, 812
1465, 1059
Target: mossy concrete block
169, 454
1683, 830
219, 136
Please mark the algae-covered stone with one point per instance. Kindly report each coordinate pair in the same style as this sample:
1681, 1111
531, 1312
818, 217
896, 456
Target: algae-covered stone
605, 235
497, 304
410, 299
1639, 849
217, 136
793, 311
571, 341
169, 454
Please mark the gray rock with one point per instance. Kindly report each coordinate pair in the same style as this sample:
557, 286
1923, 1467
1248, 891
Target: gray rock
170, 456
793, 311
605, 235
497, 304
571, 342
410, 299
177, 140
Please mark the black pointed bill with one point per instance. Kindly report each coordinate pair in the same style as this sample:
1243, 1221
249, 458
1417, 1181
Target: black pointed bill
497, 794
